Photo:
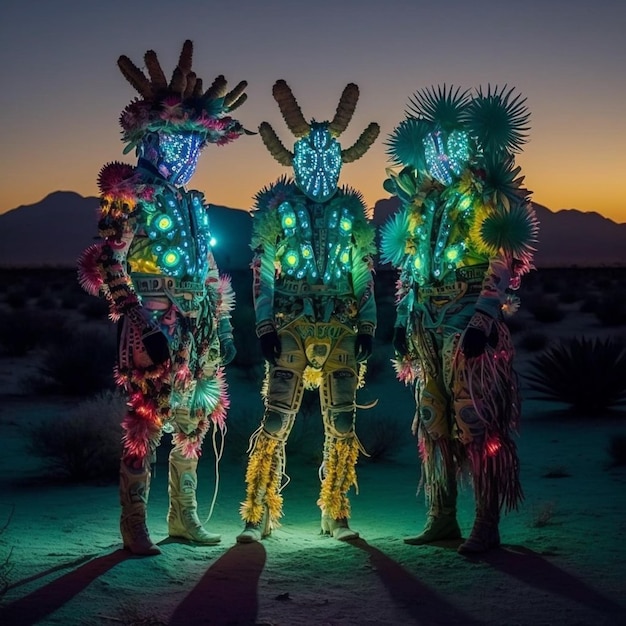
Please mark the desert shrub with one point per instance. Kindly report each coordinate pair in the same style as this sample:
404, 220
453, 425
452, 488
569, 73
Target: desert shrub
589, 375
25, 330
85, 444
542, 515
547, 310
533, 341
382, 436
80, 367
617, 451
557, 471
16, 297
589, 304
611, 309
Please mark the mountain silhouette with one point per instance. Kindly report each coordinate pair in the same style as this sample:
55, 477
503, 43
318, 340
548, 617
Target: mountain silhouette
567, 238
54, 231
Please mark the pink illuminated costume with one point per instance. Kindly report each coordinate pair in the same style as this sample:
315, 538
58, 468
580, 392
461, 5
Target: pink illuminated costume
461, 241
156, 270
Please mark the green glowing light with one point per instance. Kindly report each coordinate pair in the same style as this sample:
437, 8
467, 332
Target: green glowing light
171, 258
164, 223
345, 224
291, 259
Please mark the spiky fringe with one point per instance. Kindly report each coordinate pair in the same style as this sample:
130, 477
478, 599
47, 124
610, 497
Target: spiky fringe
339, 472
438, 460
225, 296
263, 480
494, 463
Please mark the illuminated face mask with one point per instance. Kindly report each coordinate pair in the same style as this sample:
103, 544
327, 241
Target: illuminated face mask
174, 155
317, 163
446, 154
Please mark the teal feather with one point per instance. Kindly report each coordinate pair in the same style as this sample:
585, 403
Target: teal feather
405, 144
513, 230
498, 120
394, 235
441, 106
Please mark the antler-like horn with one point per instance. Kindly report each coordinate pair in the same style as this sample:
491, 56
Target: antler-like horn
159, 82
190, 87
236, 97
290, 109
186, 56
216, 90
362, 144
274, 145
345, 110
135, 77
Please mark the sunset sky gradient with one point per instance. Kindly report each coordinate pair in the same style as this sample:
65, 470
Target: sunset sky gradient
62, 91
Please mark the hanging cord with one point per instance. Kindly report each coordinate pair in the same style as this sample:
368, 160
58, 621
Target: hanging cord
218, 451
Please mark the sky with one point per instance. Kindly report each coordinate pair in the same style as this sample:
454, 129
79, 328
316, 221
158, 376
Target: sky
62, 90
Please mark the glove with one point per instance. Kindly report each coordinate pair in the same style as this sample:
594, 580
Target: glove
227, 349
156, 345
153, 340
400, 344
478, 333
227, 344
270, 346
363, 347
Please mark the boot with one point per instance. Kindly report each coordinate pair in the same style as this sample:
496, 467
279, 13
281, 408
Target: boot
484, 536
182, 517
134, 489
256, 531
338, 528
441, 523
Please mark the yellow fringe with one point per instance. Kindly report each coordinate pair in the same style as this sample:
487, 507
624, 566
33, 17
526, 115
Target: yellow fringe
340, 475
263, 476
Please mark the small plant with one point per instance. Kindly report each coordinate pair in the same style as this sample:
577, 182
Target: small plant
25, 330
79, 367
84, 445
558, 471
542, 515
611, 309
617, 451
382, 437
589, 375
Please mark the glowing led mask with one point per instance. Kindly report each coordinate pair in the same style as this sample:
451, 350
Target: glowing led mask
317, 163
446, 154
178, 154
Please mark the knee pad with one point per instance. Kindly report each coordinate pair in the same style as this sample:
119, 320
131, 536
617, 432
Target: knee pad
342, 419
277, 423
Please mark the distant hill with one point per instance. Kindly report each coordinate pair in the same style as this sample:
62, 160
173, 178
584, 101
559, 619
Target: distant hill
56, 230
567, 238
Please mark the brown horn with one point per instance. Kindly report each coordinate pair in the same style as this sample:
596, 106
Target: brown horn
197, 90
191, 85
233, 96
135, 77
345, 110
185, 59
216, 90
274, 145
362, 144
159, 82
290, 109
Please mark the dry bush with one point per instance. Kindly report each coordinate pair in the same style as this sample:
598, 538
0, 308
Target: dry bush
611, 309
382, 436
547, 310
78, 367
533, 341
542, 515
85, 444
589, 375
6, 566
23, 331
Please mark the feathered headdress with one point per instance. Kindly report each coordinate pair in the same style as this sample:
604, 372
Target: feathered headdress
180, 104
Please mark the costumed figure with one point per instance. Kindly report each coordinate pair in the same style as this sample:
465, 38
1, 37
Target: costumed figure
155, 267
462, 239
315, 310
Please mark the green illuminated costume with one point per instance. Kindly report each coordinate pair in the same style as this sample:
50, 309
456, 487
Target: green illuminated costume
461, 241
315, 311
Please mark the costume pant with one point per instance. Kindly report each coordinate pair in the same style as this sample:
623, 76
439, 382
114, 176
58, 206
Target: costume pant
182, 396
466, 408
312, 355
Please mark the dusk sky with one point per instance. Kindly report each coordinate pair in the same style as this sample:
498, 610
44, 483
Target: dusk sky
62, 92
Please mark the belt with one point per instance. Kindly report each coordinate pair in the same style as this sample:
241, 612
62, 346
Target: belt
159, 285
